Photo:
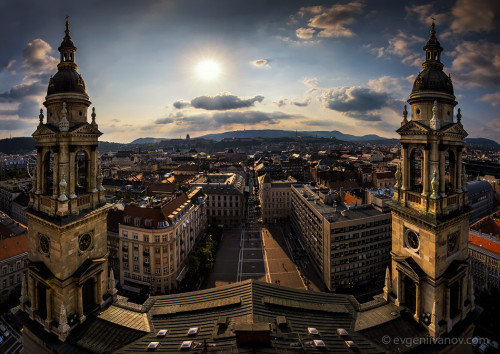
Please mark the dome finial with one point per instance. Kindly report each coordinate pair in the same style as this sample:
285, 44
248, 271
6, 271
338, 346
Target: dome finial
67, 26
433, 27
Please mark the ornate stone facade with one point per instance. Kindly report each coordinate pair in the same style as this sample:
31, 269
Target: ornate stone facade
67, 251
430, 274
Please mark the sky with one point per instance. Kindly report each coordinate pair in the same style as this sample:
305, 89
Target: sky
167, 68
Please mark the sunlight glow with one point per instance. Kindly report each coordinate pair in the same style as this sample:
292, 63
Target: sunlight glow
208, 70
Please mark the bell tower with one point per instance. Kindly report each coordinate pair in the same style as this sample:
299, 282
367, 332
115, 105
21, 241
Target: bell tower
67, 250
430, 274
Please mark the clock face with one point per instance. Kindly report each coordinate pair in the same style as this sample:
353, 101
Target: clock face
44, 244
452, 241
412, 240
84, 242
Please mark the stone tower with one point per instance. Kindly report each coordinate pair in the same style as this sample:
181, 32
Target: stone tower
430, 274
67, 250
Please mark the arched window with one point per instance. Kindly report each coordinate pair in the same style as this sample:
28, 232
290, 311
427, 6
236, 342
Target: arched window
48, 173
416, 161
82, 170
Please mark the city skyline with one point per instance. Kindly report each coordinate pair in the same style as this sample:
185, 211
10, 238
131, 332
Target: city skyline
169, 68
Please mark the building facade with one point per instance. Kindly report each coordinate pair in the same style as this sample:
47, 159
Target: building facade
350, 247
430, 274
480, 199
274, 197
13, 255
155, 240
484, 252
225, 197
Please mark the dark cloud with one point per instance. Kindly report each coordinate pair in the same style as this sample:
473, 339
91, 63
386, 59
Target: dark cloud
304, 103
181, 104
21, 91
224, 101
13, 124
475, 16
356, 102
477, 64
218, 120
164, 121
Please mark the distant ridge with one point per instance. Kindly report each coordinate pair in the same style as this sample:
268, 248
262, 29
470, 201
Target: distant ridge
269, 133
25, 145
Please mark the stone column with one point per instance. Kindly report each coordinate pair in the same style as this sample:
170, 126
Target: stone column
96, 289
55, 176
72, 176
418, 307
405, 165
447, 314
31, 295
442, 174
426, 173
459, 170
93, 170
463, 296
99, 289
399, 289
80, 303
48, 292
39, 172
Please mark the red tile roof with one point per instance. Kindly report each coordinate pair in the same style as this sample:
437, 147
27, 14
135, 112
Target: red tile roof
485, 243
13, 246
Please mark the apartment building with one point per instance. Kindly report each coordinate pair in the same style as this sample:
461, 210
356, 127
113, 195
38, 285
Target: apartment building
484, 252
13, 254
225, 197
274, 197
155, 240
349, 246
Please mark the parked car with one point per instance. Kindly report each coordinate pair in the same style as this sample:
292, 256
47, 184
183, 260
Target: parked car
4, 330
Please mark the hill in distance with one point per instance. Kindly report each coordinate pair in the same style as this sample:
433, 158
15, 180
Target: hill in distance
268, 133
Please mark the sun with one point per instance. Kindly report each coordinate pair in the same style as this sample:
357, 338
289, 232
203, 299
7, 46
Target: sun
208, 70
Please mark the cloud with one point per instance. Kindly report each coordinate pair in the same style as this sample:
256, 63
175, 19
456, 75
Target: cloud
224, 101
424, 14
377, 51
475, 16
37, 58
311, 81
400, 45
330, 21
22, 91
181, 104
356, 102
164, 121
281, 102
305, 33
261, 63
304, 103
214, 121
317, 123
388, 84
13, 124
476, 63
492, 98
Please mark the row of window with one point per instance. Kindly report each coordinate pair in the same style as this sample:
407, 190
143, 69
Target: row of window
219, 212
11, 268
11, 281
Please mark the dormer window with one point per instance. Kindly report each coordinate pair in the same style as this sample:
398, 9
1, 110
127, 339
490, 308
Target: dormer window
137, 221
148, 222
127, 219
